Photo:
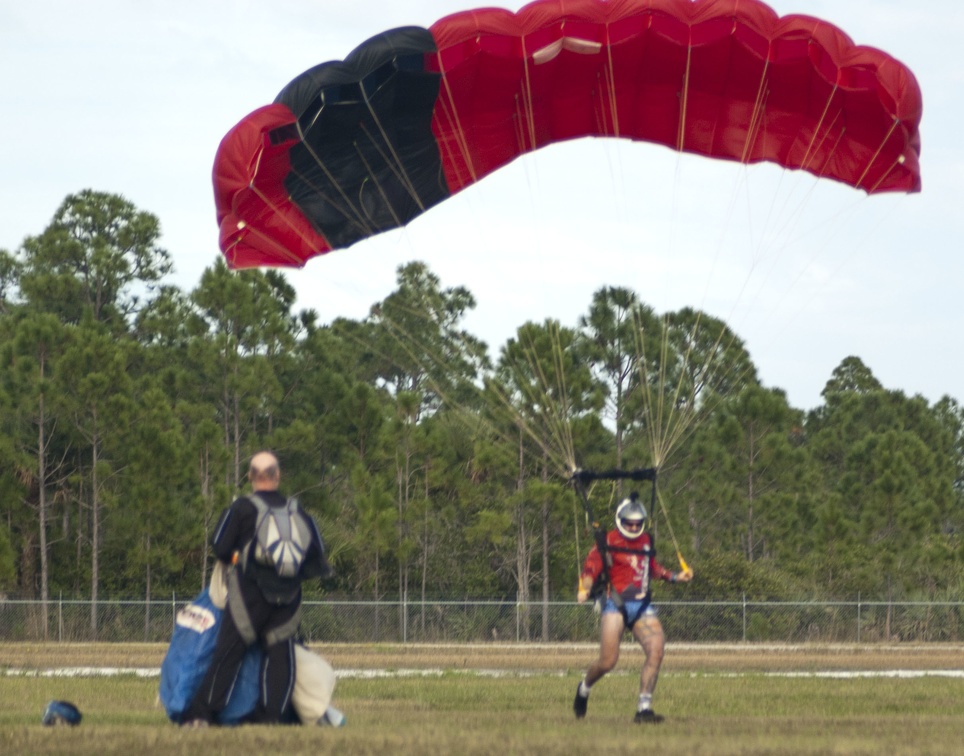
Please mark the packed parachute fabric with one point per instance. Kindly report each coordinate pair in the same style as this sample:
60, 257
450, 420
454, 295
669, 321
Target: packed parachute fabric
189, 656
353, 148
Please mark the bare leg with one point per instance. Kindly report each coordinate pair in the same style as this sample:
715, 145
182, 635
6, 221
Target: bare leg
649, 632
611, 628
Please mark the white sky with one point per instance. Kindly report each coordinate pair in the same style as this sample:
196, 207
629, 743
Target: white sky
133, 97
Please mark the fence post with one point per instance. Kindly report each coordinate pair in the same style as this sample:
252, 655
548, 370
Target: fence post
60, 618
744, 618
858, 616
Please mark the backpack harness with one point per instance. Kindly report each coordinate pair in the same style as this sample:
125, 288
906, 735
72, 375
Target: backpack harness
601, 587
282, 536
275, 554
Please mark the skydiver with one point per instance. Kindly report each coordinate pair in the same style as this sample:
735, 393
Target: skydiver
262, 604
631, 561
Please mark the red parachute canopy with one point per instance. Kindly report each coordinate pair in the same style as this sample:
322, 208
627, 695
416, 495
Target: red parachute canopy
356, 147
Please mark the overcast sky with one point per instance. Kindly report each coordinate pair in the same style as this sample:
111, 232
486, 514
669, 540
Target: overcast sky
133, 97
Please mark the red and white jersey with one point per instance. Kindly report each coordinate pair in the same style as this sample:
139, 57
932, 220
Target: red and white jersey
634, 565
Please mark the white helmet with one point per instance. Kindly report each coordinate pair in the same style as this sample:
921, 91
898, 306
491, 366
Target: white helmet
630, 512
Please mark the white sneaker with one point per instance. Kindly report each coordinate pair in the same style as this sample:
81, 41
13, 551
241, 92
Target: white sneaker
332, 718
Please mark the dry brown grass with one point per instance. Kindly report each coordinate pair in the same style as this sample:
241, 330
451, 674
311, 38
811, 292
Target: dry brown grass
562, 657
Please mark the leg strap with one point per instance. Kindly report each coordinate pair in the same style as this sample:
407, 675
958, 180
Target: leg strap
239, 611
285, 631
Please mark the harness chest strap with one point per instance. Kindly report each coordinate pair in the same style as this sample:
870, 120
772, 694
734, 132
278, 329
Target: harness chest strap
606, 551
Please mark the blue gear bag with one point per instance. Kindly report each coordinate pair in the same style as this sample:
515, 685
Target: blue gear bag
61, 713
189, 656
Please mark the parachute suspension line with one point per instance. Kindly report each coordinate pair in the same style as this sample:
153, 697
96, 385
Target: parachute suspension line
662, 411
563, 461
395, 163
682, 413
581, 480
670, 417
673, 419
658, 496
554, 437
379, 188
410, 346
285, 252
684, 96
426, 361
253, 230
883, 143
681, 417
673, 416
820, 134
528, 106
599, 107
787, 217
555, 412
559, 421
758, 253
577, 551
565, 428
448, 107
662, 417
610, 80
784, 229
355, 217
757, 117
755, 128
653, 423
521, 119
678, 411
832, 152
524, 119
842, 216
790, 218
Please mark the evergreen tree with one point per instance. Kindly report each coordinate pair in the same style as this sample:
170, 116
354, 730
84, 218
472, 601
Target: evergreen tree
93, 377
35, 421
99, 256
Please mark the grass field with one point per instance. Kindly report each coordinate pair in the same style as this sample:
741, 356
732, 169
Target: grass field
490, 699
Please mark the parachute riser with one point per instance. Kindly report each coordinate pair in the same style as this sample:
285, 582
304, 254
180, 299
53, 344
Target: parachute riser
579, 480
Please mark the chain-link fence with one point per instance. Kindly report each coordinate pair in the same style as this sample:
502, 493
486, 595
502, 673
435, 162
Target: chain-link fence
477, 621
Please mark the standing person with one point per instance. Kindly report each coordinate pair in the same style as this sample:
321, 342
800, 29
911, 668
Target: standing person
628, 565
274, 546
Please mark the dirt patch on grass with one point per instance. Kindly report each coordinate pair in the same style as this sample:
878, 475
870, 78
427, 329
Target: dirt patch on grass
559, 657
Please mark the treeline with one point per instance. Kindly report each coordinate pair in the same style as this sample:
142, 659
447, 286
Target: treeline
435, 469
